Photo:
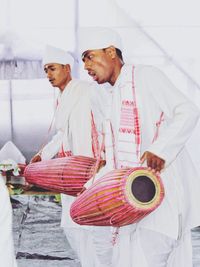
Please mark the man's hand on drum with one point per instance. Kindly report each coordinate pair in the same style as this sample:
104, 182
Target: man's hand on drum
36, 158
154, 163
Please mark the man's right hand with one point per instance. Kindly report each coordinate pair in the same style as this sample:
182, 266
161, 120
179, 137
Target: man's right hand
36, 158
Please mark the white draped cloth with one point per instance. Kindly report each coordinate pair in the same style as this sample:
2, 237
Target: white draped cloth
7, 253
179, 210
10, 151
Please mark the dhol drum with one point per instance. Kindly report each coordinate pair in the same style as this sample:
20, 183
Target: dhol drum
119, 198
62, 175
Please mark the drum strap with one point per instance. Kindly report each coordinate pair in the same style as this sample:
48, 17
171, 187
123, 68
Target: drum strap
99, 150
95, 139
158, 123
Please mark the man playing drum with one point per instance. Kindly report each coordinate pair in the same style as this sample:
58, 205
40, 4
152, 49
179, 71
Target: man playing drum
149, 123
74, 123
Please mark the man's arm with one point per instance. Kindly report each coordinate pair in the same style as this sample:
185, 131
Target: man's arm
36, 158
51, 149
182, 116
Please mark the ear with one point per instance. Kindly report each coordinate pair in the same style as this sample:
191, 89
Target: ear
111, 51
68, 67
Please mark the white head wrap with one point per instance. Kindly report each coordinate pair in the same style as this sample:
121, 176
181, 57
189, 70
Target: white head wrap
57, 55
92, 38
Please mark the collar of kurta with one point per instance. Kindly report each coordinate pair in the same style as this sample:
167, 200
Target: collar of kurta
124, 76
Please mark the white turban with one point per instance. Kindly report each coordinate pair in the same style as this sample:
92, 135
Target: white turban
57, 55
92, 38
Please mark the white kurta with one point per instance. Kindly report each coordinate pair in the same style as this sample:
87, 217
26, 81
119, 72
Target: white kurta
73, 132
73, 113
7, 254
155, 93
179, 209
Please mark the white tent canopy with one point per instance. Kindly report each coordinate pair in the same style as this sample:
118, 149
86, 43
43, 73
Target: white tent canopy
19, 59
165, 34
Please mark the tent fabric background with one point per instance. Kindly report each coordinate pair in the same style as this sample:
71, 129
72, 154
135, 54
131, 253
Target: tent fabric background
163, 34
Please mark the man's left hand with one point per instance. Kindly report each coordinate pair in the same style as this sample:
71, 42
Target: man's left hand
155, 163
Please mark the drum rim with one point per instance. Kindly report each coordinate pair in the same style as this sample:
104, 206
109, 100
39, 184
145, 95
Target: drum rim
159, 189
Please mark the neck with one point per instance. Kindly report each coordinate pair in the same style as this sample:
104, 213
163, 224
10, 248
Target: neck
116, 72
62, 87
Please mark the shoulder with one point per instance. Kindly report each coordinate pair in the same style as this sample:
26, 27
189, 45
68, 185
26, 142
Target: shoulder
139, 71
81, 83
81, 87
151, 75
147, 69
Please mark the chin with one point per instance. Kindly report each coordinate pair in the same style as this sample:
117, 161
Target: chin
54, 85
99, 81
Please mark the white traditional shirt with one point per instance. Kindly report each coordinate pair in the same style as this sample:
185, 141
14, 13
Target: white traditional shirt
73, 125
73, 113
155, 95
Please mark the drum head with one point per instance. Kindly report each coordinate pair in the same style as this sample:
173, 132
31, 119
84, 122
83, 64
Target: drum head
143, 188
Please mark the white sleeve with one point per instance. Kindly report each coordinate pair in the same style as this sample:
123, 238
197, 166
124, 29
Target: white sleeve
182, 114
53, 147
80, 128
99, 99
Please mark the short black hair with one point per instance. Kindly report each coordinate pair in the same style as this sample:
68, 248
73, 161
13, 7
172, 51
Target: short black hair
119, 53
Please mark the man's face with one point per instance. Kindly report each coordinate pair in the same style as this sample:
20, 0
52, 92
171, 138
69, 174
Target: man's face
57, 74
99, 65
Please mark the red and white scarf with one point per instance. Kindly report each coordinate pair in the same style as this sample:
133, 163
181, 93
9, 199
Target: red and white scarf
123, 134
122, 128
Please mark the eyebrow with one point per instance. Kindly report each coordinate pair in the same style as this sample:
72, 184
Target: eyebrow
85, 54
48, 66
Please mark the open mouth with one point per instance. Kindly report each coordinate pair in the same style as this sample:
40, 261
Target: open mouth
93, 75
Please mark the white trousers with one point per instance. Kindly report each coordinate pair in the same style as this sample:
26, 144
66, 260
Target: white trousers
146, 248
139, 248
82, 242
7, 255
